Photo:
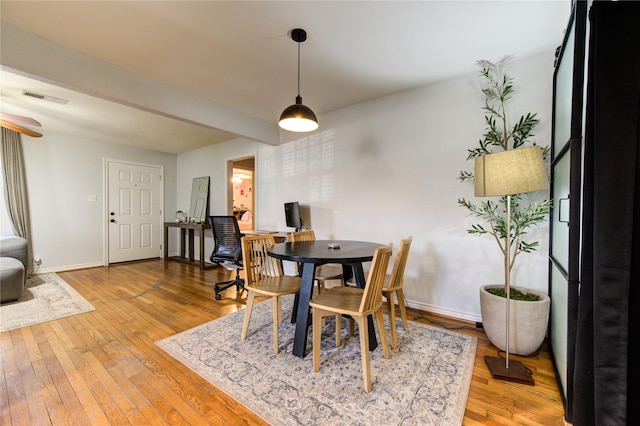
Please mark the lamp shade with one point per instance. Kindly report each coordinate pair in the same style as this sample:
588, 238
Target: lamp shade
515, 171
298, 118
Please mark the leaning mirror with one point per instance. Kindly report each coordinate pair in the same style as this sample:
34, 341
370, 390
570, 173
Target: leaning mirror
199, 209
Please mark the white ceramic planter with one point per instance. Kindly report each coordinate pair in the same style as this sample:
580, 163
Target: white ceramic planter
529, 320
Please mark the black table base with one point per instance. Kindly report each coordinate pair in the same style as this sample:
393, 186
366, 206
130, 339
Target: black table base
351, 254
306, 293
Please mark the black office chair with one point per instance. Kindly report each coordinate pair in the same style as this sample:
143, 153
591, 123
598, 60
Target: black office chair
227, 251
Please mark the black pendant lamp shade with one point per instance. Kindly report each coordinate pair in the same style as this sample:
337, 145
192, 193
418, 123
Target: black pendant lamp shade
298, 117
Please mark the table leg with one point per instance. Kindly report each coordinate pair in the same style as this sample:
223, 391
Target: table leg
302, 318
201, 242
183, 234
347, 272
294, 311
358, 273
361, 281
191, 244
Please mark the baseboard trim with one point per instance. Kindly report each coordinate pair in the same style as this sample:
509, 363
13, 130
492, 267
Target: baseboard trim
69, 268
443, 311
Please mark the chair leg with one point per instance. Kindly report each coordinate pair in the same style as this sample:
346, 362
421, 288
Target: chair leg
403, 309
383, 333
391, 305
276, 321
278, 304
352, 326
247, 314
317, 331
364, 353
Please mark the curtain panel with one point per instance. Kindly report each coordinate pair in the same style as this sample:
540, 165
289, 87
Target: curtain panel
608, 331
15, 189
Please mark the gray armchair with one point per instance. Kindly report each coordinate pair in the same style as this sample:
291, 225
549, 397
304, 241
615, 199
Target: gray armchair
13, 267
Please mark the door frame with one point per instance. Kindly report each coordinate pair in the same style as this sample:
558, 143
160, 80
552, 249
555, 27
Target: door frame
105, 202
254, 191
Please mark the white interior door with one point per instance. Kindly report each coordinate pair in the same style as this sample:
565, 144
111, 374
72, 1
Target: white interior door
134, 212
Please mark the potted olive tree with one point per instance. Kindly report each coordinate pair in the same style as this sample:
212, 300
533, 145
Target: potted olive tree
529, 310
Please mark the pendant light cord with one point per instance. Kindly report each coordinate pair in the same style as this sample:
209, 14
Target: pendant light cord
298, 68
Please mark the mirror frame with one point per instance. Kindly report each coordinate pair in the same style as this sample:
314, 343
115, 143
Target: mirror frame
199, 206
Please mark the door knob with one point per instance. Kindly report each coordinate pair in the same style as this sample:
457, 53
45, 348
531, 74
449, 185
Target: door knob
113, 220
112, 213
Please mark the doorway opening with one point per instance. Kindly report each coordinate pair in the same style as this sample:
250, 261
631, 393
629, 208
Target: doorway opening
241, 187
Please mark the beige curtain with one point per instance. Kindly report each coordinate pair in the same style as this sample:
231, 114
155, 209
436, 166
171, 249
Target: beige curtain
15, 189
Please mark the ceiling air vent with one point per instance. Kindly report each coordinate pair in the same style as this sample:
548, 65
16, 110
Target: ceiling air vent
44, 97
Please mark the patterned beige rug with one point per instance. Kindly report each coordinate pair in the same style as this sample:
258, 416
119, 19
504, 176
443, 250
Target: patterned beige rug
426, 382
47, 297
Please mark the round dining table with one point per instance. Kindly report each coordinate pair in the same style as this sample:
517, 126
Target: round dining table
310, 254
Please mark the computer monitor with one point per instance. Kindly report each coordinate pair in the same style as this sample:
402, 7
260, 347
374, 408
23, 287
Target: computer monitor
292, 215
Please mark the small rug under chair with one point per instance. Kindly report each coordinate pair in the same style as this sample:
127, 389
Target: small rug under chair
425, 382
46, 297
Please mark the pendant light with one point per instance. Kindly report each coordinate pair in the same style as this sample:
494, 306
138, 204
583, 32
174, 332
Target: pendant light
298, 117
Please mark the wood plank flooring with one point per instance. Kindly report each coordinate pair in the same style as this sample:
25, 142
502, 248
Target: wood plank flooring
103, 367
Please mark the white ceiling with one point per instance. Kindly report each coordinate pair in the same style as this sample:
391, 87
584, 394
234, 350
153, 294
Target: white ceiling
238, 54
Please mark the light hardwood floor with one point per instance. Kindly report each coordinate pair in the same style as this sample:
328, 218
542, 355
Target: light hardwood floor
103, 367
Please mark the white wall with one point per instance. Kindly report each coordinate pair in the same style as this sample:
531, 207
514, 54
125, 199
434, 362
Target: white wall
62, 171
376, 171
386, 169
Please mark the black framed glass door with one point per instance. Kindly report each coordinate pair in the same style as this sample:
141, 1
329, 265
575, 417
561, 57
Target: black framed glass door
566, 184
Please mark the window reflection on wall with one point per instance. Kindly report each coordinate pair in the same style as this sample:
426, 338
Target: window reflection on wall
308, 168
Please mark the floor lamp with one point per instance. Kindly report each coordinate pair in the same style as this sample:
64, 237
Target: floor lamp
506, 173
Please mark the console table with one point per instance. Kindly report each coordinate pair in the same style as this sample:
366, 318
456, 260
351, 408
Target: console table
187, 229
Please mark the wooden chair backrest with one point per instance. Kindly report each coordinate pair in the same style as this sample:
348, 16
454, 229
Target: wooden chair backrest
372, 297
257, 262
397, 274
299, 236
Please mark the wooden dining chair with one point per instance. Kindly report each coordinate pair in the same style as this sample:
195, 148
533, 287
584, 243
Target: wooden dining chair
393, 287
324, 273
264, 278
359, 304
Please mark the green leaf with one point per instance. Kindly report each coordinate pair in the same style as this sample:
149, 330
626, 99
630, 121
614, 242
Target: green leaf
464, 175
498, 90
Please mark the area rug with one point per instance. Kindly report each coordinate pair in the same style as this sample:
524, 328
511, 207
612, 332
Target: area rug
425, 382
46, 297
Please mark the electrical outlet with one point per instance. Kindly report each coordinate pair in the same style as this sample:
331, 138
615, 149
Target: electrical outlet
38, 262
